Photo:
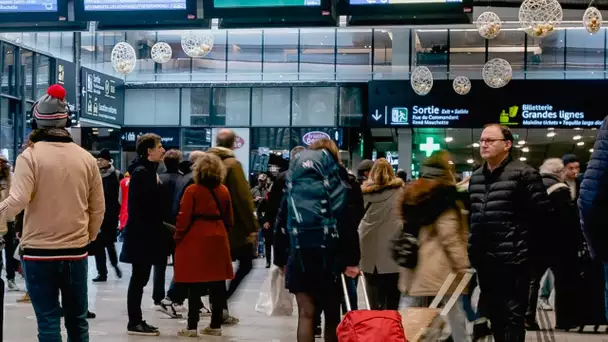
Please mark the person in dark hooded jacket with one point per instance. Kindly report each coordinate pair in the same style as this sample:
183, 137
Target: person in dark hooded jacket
145, 236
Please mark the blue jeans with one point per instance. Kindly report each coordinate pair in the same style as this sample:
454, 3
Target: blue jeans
44, 281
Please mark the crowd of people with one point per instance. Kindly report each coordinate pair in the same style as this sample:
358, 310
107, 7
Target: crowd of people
508, 221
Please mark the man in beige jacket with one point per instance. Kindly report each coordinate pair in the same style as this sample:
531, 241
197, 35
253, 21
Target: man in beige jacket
59, 186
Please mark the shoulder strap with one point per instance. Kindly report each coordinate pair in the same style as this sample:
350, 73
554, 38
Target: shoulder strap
219, 206
556, 186
369, 204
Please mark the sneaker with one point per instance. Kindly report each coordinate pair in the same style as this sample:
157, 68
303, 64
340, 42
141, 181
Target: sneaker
230, 320
481, 330
167, 310
118, 272
12, 287
544, 305
532, 326
205, 312
91, 315
100, 279
25, 299
318, 332
211, 332
267, 265
187, 333
179, 307
143, 329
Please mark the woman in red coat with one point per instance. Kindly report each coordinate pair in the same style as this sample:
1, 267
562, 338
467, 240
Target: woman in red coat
202, 253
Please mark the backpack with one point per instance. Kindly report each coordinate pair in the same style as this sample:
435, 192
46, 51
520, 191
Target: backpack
316, 197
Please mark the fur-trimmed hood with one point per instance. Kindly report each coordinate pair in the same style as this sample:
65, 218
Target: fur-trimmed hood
222, 152
425, 199
379, 193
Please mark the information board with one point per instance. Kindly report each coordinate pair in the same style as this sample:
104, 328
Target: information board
522, 103
103, 97
18, 6
134, 5
264, 3
168, 135
66, 76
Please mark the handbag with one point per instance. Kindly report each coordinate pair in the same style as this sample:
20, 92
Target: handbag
404, 247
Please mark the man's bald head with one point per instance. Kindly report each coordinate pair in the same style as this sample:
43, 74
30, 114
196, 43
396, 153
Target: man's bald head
225, 138
194, 155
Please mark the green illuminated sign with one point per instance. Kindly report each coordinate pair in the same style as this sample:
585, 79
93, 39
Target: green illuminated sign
429, 147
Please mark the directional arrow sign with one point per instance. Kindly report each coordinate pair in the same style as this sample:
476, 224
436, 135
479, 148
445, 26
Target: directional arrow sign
377, 116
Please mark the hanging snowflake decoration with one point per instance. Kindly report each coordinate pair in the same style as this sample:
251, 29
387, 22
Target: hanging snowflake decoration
422, 80
123, 58
592, 19
161, 52
540, 18
198, 44
488, 25
497, 73
461, 85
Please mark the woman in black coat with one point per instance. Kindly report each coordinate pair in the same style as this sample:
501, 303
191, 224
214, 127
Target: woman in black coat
145, 237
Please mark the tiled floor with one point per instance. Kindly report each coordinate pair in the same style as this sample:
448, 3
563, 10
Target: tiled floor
108, 301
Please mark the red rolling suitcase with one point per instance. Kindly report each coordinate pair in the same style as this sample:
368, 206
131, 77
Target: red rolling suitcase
369, 325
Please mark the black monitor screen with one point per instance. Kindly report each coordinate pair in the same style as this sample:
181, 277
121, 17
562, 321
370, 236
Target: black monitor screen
397, 2
264, 3
18, 6
134, 5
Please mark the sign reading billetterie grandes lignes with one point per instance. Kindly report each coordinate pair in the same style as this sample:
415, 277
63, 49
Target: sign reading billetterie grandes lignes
522, 103
103, 97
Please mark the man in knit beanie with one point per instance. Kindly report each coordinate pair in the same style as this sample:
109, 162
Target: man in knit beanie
59, 185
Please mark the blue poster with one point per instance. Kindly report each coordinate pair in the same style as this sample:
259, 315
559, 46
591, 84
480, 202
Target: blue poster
17, 6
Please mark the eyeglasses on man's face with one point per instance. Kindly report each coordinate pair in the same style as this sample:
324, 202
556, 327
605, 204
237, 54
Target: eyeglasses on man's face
489, 141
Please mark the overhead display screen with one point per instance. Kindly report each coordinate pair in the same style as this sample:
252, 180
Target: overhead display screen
397, 2
264, 3
519, 104
18, 6
134, 5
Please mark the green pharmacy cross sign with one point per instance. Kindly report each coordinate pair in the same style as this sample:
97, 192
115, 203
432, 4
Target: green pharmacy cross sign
429, 147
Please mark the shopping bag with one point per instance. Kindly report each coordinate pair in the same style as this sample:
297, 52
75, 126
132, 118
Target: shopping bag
275, 299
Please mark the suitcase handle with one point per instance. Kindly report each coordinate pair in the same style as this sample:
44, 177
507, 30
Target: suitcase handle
347, 297
466, 278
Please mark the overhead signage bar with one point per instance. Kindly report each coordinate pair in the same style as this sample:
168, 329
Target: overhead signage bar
522, 103
142, 11
406, 12
33, 11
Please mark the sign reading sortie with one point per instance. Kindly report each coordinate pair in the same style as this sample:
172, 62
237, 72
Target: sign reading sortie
310, 137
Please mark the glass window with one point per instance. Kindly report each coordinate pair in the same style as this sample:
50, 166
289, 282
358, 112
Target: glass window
270, 106
245, 55
27, 66
585, 54
353, 61
231, 107
142, 42
467, 53
8, 83
104, 43
42, 42
280, 55
317, 54
67, 46
545, 57
509, 45
351, 109
213, 66
196, 106
392, 53
195, 139
314, 106
431, 51
87, 49
43, 75
272, 138
179, 67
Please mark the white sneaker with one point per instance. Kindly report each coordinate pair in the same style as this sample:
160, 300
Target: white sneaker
211, 332
12, 287
544, 305
167, 310
179, 308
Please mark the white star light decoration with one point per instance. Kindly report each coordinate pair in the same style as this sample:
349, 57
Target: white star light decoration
123, 58
540, 18
161, 52
198, 44
422, 80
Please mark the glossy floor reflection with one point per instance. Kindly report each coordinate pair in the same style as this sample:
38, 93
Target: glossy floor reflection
108, 301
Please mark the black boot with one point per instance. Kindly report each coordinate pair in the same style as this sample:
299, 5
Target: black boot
100, 279
481, 330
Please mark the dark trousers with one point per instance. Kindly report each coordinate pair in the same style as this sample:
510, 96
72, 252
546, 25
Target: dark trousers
158, 290
100, 257
244, 255
217, 297
536, 274
504, 294
140, 276
177, 292
383, 291
44, 281
11, 244
268, 242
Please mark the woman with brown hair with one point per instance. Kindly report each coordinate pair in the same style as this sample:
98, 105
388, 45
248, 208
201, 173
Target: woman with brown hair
431, 211
380, 223
202, 253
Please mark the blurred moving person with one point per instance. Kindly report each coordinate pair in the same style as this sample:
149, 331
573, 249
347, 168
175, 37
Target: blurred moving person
509, 204
259, 194
379, 225
7, 227
59, 185
431, 210
145, 237
324, 242
245, 228
202, 255
107, 235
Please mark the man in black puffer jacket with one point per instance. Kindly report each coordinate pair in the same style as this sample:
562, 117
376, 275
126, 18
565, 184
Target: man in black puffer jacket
508, 204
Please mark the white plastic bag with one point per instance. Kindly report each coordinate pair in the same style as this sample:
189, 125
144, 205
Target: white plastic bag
275, 299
